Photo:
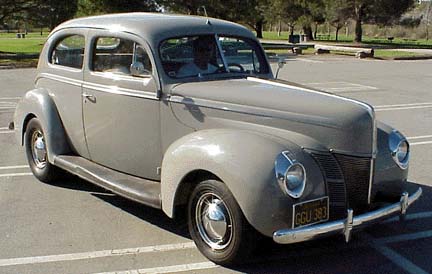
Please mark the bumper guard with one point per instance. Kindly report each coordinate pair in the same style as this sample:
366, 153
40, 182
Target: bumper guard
345, 227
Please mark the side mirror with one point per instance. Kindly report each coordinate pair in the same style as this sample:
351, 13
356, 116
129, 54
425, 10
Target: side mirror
281, 64
137, 69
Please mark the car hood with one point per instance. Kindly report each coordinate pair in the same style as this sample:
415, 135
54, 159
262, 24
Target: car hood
340, 124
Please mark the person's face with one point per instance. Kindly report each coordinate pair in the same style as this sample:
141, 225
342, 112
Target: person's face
204, 52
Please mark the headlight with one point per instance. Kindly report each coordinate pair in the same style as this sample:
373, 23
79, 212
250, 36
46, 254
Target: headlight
290, 174
399, 149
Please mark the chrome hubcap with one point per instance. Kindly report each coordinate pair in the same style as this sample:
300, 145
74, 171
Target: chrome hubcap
213, 221
38, 149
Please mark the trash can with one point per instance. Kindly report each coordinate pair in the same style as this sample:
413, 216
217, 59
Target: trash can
294, 39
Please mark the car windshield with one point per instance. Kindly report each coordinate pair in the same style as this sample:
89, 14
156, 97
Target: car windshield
197, 56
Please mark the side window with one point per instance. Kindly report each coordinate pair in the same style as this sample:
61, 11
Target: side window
116, 55
69, 52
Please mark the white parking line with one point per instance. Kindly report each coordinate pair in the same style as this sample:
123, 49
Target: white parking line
6, 131
405, 237
324, 83
95, 254
168, 269
399, 260
306, 60
421, 143
412, 216
393, 256
339, 87
419, 137
403, 105
10, 98
16, 174
13, 167
403, 108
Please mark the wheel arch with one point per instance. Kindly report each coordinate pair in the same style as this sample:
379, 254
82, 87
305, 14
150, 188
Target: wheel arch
39, 104
244, 162
187, 185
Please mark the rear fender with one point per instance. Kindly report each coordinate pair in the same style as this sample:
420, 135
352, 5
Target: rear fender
38, 103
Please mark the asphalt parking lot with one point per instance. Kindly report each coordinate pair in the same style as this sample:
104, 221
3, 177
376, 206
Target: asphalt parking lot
75, 227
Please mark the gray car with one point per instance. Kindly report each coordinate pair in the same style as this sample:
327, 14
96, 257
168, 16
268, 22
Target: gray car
180, 112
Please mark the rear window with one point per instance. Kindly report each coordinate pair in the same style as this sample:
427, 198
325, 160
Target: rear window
69, 52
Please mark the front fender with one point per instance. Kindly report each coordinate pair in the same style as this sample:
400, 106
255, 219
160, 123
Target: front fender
389, 178
38, 103
244, 161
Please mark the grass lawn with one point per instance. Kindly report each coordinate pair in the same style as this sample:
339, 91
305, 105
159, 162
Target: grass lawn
31, 44
379, 53
28, 35
396, 42
14, 45
390, 54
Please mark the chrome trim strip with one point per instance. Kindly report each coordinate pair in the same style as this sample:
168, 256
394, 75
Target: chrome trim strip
99, 87
59, 78
372, 169
121, 91
349, 222
289, 236
237, 108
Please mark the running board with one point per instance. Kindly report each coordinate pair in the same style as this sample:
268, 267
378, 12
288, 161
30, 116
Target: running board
140, 190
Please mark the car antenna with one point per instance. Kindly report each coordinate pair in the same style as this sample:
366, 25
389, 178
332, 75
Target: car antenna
204, 9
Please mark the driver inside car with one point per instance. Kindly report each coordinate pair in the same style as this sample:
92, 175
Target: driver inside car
204, 51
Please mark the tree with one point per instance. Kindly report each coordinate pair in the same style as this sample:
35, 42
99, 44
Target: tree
337, 13
381, 12
288, 11
52, 12
312, 14
92, 7
9, 8
249, 12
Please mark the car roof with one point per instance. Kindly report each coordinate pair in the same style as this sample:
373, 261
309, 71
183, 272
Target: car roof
155, 27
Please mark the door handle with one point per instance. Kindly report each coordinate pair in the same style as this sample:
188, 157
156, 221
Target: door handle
89, 97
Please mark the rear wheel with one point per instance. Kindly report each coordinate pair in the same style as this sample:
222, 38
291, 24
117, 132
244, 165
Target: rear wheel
217, 224
37, 156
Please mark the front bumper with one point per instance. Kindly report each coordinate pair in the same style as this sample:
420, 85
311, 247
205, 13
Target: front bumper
345, 227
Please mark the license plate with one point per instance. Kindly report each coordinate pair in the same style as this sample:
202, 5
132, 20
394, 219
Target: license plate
311, 212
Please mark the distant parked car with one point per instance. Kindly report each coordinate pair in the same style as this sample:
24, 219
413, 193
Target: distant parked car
179, 111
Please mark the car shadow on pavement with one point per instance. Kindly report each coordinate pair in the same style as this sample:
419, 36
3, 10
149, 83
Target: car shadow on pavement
73, 182
329, 255
148, 214
333, 255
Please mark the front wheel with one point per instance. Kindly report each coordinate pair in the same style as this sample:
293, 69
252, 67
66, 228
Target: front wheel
37, 156
217, 224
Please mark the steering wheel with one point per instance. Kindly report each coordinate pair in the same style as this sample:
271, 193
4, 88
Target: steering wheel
241, 68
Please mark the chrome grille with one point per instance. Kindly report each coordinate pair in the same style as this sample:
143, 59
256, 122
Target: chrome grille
356, 172
347, 179
335, 184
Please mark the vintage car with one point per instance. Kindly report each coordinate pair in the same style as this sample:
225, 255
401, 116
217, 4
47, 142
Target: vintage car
184, 113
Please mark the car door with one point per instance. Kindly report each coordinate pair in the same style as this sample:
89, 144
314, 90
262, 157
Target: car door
121, 111
61, 72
